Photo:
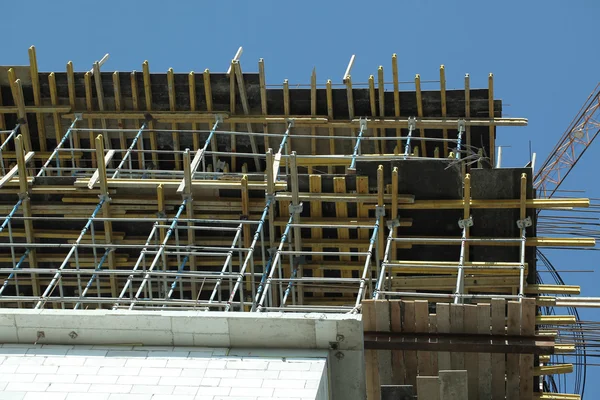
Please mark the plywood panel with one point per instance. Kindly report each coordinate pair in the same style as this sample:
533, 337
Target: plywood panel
398, 367
410, 357
485, 359
498, 360
513, 325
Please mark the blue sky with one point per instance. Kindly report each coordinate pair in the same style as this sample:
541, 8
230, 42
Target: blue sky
542, 55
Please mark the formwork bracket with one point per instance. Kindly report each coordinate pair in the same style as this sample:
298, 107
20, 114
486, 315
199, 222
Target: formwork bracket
465, 223
363, 124
379, 211
524, 223
296, 209
412, 123
219, 118
105, 197
462, 125
290, 122
394, 223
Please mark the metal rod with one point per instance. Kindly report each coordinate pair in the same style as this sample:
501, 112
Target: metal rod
249, 256
12, 274
57, 276
92, 278
366, 270
355, 152
129, 150
158, 254
60, 144
460, 273
386, 256
12, 134
226, 264
268, 274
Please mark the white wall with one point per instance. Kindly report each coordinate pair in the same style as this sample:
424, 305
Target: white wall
341, 335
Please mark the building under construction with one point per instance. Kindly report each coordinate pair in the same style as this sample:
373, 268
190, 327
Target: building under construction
211, 235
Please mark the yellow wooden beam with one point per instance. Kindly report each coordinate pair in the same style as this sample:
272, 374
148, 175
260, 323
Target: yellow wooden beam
553, 369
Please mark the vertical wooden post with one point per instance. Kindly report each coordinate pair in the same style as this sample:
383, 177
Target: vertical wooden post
108, 232
26, 207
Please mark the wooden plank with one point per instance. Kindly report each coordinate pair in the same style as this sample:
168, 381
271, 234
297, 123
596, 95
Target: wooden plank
453, 385
384, 357
22, 114
14, 170
422, 326
193, 168
528, 308
498, 360
428, 387
396, 96
136, 106
484, 380
90, 122
316, 211
373, 104
491, 109
443, 326
94, 179
434, 356
457, 315
329, 93
513, 325
100, 99
174, 126
246, 109
117, 97
313, 112
193, 102
26, 209
55, 117
371, 360
422, 144
341, 211
468, 108
263, 98
410, 357
398, 366
37, 98
148, 98
443, 101
472, 359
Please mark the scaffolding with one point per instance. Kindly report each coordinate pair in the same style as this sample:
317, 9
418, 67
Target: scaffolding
222, 193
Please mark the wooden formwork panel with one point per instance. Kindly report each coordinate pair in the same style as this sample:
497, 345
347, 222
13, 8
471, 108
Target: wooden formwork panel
489, 376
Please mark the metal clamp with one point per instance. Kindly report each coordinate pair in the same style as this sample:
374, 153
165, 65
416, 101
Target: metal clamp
394, 223
363, 124
161, 215
220, 166
23, 196
78, 116
524, 223
465, 223
105, 197
270, 197
462, 125
219, 118
379, 211
272, 251
412, 123
187, 196
296, 209
291, 122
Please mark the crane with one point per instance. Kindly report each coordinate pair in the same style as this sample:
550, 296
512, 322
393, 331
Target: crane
575, 141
